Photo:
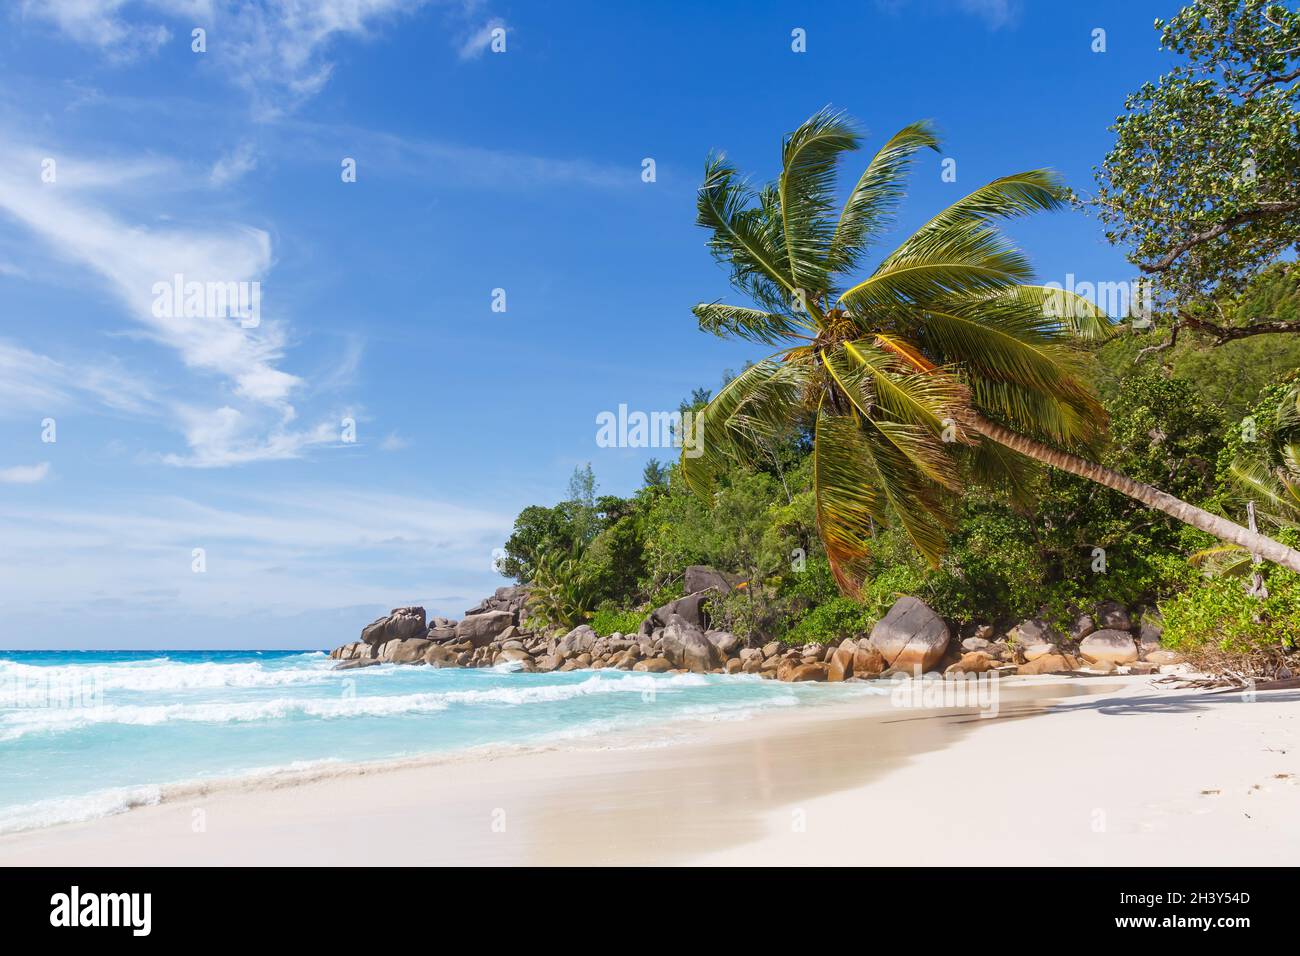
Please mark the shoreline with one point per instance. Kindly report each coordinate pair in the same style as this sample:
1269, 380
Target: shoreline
1062, 774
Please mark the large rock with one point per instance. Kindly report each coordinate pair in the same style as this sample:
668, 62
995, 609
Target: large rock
483, 628
1036, 631
580, 640
686, 646
809, 672
1113, 616
654, 665
973, 662
701, 577
512, 655
840, 666
689, 608
1051, 664
407, 652
1115, 646
1164, 656
440, 655
509, 599
1082, 626
911, 635
403, 623
867, 660
724, 641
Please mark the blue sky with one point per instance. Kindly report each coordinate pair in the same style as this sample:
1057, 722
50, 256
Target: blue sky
476, 170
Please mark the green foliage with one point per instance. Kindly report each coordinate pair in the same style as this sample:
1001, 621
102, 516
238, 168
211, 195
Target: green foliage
1227, 377
563, 593
832, 622
606, 622
1211, 144
1218, 614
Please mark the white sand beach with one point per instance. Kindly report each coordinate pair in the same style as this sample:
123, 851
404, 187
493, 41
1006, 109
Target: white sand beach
1113, 770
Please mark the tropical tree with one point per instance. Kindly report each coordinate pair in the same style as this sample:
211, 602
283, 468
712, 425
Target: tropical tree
945, 352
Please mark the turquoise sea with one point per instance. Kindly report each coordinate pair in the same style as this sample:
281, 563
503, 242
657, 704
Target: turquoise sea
88, 733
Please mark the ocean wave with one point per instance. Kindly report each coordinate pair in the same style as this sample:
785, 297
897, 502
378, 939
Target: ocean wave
102, 803
160, 674
23, 722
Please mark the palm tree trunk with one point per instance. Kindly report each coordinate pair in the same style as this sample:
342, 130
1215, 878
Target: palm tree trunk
1221, 528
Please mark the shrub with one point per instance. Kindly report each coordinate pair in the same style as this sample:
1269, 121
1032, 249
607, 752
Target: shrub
606, 622
562, 593
1216, 614
832, 622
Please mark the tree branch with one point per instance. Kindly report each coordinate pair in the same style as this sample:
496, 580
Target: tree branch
1220, 334
1262, 211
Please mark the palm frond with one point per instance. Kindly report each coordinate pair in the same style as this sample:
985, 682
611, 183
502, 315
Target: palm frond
998, 467
930, 398
741, 235
751, 410
877, 193
1020, 194
1225, 560
755, 325
1082, 319
964, 261
847, 497
805, 192
917, 442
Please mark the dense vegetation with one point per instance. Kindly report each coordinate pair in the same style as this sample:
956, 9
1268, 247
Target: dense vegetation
1010, 557
842, 446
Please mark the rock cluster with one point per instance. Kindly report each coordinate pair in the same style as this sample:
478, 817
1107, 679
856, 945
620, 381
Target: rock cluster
910, 639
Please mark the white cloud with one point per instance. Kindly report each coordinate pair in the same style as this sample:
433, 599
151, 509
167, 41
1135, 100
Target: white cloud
24, 474
477, 42
225, 436
283, 550
277, 50
31, 382
996, 13
234, 165
99, 23
133, 257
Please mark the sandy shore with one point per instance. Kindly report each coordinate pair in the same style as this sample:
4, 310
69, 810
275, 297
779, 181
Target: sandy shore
1100, 771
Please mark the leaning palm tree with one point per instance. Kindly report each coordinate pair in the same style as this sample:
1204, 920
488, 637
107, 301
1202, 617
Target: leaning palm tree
946, 351
1267, 486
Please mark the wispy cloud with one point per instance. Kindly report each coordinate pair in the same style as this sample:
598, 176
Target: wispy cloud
24, 474
479, 39
280, 51
32, 382
996, 13
99, 218
441, 160
234, 165
100, 23
282, 550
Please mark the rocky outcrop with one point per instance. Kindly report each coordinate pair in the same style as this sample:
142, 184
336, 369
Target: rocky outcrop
403, 623
701, 577
483, 628
687, 648
910, 636
690, 609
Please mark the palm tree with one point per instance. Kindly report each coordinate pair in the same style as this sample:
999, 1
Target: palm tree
1267, 485
945, 352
